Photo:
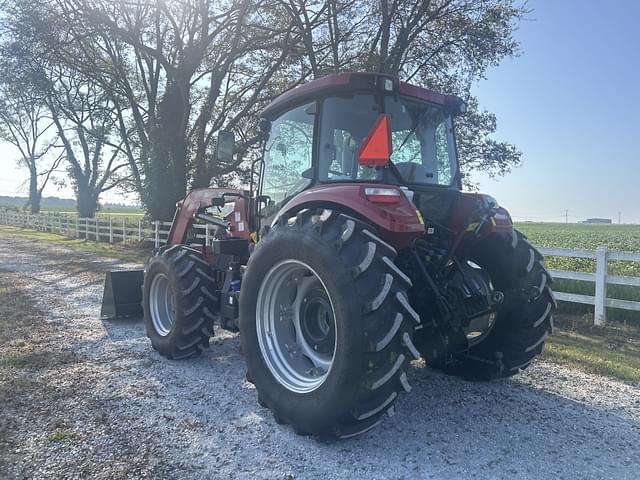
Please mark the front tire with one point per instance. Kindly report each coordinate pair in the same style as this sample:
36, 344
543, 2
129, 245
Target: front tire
178, 302
340, 375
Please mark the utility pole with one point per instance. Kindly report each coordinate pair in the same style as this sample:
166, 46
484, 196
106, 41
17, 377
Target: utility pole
566, 217
619, 214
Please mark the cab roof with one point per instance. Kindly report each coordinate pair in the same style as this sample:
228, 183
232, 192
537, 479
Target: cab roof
351, 82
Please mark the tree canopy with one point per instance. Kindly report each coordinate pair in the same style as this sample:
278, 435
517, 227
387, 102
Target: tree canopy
138, 89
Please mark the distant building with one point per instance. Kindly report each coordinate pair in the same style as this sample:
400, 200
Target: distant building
597, 220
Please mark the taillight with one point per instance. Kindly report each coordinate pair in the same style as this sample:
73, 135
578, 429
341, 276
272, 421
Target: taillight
382, 195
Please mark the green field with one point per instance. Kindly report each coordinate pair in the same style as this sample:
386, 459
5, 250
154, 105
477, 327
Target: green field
129, 213
104, 211
590, 237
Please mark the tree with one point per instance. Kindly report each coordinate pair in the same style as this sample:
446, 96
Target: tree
26, 123
178, 73
75, 108
84, 118
168, 76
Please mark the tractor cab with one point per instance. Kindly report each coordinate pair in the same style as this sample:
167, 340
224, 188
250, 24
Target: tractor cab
317, 134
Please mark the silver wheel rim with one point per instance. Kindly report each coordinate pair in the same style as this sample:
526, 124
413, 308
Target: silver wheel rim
162, 304
296, 327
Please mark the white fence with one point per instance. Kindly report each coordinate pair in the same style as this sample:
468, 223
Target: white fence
117, 229
601, 277
124, 230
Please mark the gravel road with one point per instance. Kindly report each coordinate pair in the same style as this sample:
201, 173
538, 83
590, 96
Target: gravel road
125, 412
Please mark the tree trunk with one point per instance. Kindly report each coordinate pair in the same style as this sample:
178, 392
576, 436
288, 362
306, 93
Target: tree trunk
34, 193
167, 179
87, 201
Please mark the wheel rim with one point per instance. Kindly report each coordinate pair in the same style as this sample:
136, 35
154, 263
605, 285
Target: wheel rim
479, 328
296, 327
162, 304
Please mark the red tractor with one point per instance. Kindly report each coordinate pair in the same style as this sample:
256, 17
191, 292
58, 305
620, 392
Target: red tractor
356, 254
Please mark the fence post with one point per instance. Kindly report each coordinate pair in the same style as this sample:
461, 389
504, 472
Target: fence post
97, 229
110, 230
599, 314
139, 231
77, 228
157, 234
124, 231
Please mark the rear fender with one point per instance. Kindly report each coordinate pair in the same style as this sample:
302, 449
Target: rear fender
397, 224
467, 208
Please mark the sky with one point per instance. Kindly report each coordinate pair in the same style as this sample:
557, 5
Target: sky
570, 102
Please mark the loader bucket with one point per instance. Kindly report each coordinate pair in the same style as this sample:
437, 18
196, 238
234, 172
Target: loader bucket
122, 295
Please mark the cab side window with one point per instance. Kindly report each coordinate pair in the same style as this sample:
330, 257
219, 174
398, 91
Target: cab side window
288, 156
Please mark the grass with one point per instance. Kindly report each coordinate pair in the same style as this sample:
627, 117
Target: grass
16, 359
17, 315
104, 211
61, 434
127, 253
132, 214
595, 354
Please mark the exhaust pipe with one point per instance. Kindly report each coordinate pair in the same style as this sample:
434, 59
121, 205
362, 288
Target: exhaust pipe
122, 295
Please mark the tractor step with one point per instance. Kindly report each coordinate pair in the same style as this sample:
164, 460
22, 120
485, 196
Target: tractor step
122, 295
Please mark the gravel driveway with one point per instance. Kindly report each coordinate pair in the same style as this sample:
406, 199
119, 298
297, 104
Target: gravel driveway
103, 404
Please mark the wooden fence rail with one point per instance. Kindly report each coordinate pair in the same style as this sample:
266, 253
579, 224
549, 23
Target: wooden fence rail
601, 277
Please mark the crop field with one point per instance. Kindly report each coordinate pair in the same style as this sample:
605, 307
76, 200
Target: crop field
614, 237
119, 211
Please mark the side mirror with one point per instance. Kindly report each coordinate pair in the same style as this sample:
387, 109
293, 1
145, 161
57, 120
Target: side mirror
225, 144
263, 199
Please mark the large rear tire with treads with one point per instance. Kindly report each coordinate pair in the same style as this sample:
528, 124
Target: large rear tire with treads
326, 327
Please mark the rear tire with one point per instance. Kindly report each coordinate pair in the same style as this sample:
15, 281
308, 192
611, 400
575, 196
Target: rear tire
370, 315
525, 320
178, 302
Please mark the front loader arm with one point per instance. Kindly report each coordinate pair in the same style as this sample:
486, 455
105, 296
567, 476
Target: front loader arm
197, 200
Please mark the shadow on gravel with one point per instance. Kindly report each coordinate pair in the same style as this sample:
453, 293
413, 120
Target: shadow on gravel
124, 328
